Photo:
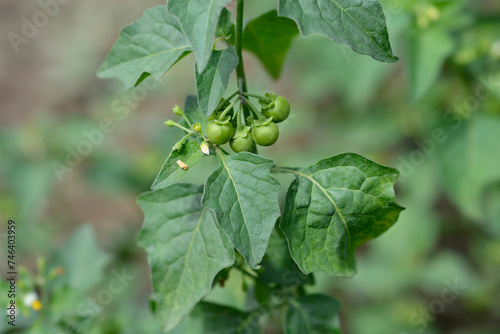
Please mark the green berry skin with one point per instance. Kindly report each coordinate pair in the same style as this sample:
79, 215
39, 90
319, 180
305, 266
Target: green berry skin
265, 135
279, 109
243, 144
219, 134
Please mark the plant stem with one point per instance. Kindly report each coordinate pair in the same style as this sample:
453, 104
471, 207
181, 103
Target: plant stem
240, 70
224, 113
263, 98
220, 105
257, 113
183, 128
239, 117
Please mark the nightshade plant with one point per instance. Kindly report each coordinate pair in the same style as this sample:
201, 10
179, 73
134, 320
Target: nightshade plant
190, 232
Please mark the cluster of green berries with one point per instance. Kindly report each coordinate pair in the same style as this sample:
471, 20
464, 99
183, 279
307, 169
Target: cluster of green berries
257, 128
244, 128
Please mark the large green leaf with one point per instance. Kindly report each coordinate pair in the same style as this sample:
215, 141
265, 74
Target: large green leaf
211, 83
198, 20
208, 318
82, 260
313, 314
244, 197
358, 23
269, 37
334, 207
185, 247
427, 52
149, 46
278, 266
170, 172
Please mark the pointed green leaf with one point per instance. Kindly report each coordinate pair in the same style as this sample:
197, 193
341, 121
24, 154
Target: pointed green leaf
313, 314
358, 23
194, 114
269, 37
198, 20
225, 26
211, 84
208, 318
170, 172
149, 46
278, 266
244, 197
185, 248
334, 207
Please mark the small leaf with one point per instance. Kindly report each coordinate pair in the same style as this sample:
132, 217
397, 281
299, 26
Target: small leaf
170, 172
358, 23
208, 318
198, 20
313, 314
149, 46
185, 247
211, 84
269, 37
194, 114
225, 26
278, 266
427, 52
334, 207
244, 197
81, 259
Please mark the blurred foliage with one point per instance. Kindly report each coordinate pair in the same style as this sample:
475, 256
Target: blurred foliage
435, 116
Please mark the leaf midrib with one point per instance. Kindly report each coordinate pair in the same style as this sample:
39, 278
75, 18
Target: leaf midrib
359, 25
195, 232
221, 157
141, 58
323, 190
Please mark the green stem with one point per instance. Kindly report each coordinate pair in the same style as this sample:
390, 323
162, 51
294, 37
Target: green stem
187, 120
227, 100
283, 170
238, 119
240, 70
263, 98
224, 113
257, 113
183, 128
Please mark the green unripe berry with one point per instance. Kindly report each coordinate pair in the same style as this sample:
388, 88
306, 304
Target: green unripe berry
278, 109
243, 143
265, 134
218, 132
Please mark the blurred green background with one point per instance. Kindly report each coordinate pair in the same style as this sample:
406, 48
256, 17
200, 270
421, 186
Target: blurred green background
435, 115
